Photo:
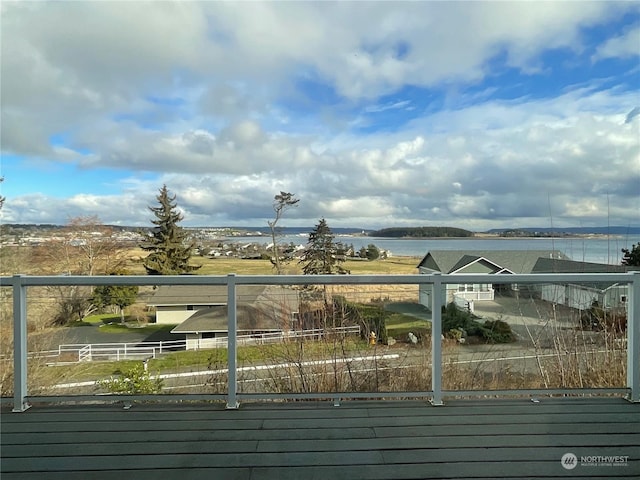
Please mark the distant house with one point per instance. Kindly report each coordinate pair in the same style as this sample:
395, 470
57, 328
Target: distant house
509, 262
583, 295
200, 311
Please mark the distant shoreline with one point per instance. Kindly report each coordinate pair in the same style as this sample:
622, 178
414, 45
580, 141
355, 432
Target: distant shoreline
488, 236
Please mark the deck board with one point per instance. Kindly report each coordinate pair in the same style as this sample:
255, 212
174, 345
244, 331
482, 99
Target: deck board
486, 438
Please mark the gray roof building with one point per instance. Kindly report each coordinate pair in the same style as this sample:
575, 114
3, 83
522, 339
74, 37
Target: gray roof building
203, 308
499, 261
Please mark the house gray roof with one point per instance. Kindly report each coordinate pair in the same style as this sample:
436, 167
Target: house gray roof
170, 295
516, 261
259, 307
549, 265
215, 319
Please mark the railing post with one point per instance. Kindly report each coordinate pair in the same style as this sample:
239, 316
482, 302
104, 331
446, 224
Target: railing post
436, 339
633, 342
19, 345
232, 344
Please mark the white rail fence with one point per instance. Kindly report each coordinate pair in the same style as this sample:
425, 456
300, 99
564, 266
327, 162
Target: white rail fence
144, 350
435, 283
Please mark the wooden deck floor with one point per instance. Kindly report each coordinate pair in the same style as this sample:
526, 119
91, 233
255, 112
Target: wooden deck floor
301, 441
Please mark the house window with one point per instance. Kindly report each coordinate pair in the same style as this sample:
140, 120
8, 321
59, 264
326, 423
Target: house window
461, 288
623, 299
190, 307
469, 288
208, 334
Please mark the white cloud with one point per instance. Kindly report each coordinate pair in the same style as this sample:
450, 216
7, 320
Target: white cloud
566, 149
623, 46
388, 106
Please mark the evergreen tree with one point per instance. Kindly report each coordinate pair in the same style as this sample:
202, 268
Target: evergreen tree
119, 295
631, 257
372, 252
322, 256
167, 242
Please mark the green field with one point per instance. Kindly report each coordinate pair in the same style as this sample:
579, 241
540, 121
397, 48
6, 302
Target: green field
212, 359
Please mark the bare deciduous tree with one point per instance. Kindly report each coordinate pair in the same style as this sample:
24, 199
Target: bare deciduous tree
281, 203
84, 247
1, 197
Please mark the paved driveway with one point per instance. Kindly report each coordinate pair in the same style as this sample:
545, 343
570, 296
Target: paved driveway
533, 321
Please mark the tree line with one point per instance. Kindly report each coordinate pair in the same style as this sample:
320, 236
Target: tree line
421, 232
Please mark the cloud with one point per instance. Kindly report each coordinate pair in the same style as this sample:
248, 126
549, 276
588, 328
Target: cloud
623, 46
565, 150
387, 106
244, 102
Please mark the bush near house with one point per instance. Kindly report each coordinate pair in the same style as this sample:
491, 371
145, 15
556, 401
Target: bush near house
456, 322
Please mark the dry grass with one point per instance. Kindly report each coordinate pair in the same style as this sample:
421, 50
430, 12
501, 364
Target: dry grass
226, 265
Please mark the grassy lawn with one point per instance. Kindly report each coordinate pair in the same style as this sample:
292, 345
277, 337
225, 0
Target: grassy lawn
407, 317
211, 359
399, 325
102, 318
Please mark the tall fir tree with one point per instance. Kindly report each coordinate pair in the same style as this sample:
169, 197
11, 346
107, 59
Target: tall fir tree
167, 242
323, 256
631, 257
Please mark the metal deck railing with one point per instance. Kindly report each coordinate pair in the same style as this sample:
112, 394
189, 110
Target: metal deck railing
435, 282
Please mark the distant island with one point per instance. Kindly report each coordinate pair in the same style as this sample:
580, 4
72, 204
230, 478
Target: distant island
564, 232
421, 232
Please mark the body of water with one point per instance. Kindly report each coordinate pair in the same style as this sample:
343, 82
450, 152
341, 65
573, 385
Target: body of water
584, 249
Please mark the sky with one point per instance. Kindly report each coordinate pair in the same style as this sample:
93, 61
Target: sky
476, 115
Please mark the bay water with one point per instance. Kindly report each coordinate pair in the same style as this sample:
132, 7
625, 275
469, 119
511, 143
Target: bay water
597, 249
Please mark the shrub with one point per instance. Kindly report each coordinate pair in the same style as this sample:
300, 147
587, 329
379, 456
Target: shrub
134, 381
497, 331
492, 331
